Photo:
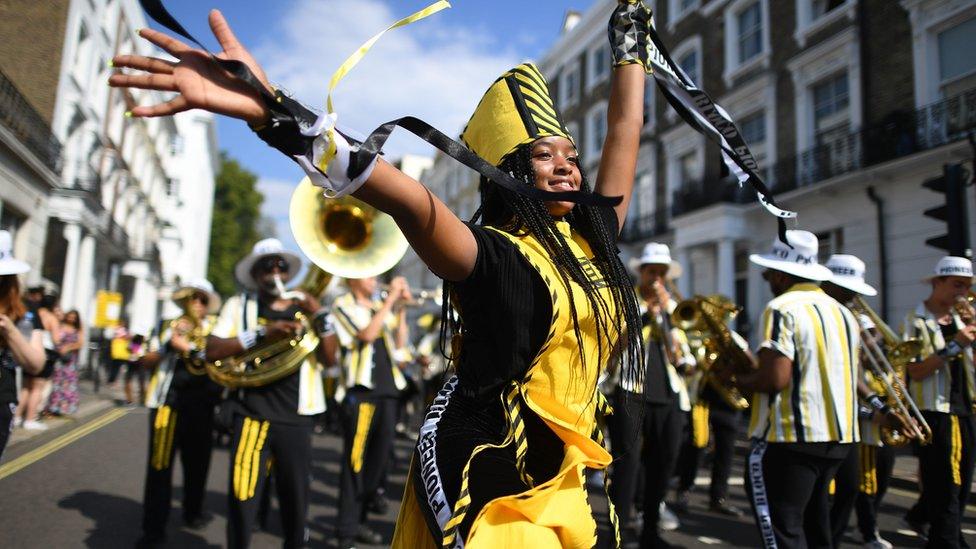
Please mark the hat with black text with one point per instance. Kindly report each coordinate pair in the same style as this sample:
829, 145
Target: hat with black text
655, 253
800, 260
848, 273
952, 265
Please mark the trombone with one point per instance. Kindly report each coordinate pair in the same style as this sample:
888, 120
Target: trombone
902, 352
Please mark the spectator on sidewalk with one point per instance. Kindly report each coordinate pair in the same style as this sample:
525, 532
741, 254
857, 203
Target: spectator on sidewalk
21, 343
64, 395
136, 370
118, 351
35, 385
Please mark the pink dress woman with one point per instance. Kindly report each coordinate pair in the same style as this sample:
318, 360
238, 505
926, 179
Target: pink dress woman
64, 394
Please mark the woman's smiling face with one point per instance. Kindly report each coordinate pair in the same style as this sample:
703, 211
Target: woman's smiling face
556, 167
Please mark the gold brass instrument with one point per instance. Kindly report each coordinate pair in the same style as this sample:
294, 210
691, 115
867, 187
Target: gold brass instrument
344, 236
723, 351
420, 297
889, 370
194, 330
964, 307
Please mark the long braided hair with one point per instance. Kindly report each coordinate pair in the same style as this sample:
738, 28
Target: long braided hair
519, 215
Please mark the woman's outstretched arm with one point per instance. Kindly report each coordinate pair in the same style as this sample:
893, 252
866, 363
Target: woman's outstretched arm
441, 240
625, 118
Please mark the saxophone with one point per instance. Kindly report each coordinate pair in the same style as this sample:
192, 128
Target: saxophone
709, 315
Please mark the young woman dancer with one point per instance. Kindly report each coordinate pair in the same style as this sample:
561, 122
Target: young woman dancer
538, 296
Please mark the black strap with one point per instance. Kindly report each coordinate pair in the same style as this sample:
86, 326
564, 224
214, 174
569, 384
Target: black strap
374, 143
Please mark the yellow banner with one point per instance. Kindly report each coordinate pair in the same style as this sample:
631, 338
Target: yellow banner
108, 309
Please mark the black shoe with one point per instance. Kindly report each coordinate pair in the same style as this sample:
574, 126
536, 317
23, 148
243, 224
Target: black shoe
378, 505
680, 503
198, 522
368, 536
347, 543
724, 508
151, 541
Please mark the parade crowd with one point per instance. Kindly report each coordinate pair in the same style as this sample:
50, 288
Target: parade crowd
550, 366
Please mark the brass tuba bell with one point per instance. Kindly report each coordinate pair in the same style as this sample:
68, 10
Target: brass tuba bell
344, 236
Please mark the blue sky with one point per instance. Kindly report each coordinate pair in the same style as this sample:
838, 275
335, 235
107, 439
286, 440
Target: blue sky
436, 69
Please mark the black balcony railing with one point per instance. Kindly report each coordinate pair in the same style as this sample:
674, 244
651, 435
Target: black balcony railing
645, 225
900, 135
18, 116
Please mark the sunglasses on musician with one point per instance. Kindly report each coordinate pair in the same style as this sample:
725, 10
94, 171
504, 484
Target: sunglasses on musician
269, 264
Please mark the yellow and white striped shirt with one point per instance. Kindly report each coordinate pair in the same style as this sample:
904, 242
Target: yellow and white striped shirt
932, 393
357, 363
822, 339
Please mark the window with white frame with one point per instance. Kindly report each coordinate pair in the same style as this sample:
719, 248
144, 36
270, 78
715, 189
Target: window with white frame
753, 129
749, 32
688, 170
678, 9
598, 63
746, 36
957, 63
596, 131
831, 102
689, 63
814, 15
569, 86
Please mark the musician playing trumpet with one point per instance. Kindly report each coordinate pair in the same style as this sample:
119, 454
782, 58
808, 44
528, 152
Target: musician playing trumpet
655, 413
181, 399
942, 382
272, 420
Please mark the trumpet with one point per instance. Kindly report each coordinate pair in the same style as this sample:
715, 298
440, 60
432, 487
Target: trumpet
893, 368
964, 307
420, 297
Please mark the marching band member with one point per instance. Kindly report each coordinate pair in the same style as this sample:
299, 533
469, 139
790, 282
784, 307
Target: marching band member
182, 399
371, 335
542, 297
804, 404
862, 479
942, 384
272, 421
647, 423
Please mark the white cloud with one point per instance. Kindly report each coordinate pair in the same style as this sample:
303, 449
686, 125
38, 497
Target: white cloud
429, 70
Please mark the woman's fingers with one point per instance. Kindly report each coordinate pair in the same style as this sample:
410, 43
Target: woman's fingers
221, 31
161, 82
169, 44
142, 63
173, 106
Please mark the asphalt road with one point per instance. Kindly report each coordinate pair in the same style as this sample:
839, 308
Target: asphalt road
80, 485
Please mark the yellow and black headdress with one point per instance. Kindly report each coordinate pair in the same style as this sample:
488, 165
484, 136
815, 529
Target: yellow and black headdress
516, 110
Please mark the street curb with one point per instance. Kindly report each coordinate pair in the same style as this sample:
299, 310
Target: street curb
92, 404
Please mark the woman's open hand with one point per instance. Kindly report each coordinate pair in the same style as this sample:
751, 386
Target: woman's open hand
198, 81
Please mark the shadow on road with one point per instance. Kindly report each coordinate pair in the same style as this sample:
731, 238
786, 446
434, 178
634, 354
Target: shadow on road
117, 518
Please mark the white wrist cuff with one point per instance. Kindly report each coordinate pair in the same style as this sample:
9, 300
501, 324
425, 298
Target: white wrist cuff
335, 181
248, 338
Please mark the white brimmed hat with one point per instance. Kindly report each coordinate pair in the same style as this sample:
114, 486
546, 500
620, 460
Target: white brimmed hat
952, 265
800, 260
656, 253
848, 272
195, 285
8, 264
265, 248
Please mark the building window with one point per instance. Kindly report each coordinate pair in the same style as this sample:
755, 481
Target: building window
831, 242
957, 64
814, 15
11, 221
750, 32
678, 9
569, 86
830, 106
599, 65
689, 64
819, 8
753, 129
596, 131
746, 37
572, 129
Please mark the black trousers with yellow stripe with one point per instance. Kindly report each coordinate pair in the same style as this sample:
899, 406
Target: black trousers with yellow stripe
256, 445
368, 428
947, 472
859, 486
188, 427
